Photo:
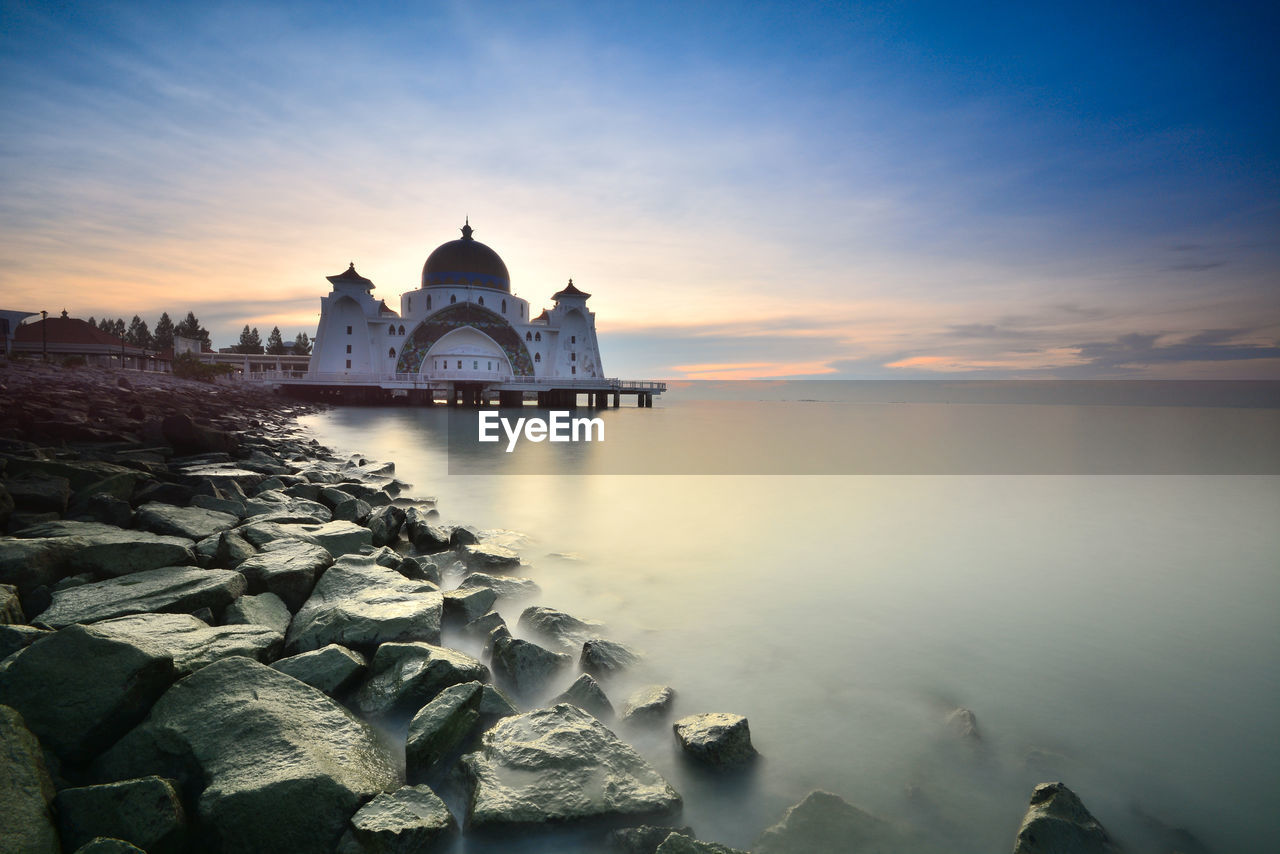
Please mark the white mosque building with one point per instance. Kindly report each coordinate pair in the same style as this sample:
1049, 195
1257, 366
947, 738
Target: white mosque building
462, 334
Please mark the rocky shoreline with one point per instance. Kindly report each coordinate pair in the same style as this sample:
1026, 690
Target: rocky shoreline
218, 636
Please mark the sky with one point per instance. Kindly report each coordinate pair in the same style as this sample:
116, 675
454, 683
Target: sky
749, 190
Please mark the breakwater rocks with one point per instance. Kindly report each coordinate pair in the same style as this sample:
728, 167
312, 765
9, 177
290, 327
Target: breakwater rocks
216, 636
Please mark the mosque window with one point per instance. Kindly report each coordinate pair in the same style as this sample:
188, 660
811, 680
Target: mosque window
482, 300
475, 364
537, 357
528, 336
391, 330
348, 330
453, 298
537, 336
488, 366
459, 364
348, 364
428, 302
401, 330
573, 339
504, 306
573, 370
391, 353
348, 348
573, 357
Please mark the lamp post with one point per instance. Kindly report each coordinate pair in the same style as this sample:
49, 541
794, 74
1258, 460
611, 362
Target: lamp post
44, 337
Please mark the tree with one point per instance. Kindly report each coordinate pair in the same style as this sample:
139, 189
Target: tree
93, 322
250, 341
275, 344
163, 336
139, 335
190, 328
302, 345
117, 327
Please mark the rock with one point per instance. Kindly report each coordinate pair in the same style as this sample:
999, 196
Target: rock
410, 820
30, 563
353, 510
463, 535
275, 503
605, 657
481, 627
650, 703
420, 569
825, 822
10, 606
524, 666
559, 764
264, 609
505, 586
557, 626
145, 812
6, 506
191, 642
679, 843
963, 723
1056, 821
34, 492
105, 845
586, 694
109, 551
332, 669
468, 603
104, 687
482, 556
104, 508
288, 568
495, 704
16, 637
81, 474
403, 677
384, 556
232, 550
643, 839
384, 524
333, 496
231, 506
423, 534
441, 726
283, 765
187, 437
25, 790
170, 589
194, 523
339, 538
718, 739
359, 604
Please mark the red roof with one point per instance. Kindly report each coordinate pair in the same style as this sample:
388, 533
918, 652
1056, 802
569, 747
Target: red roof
70, 331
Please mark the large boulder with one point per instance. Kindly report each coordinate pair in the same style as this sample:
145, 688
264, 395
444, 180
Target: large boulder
10, 606
411, 820
194, 523
359, 604
107, 845
282, 765
170, 589
605, 657
558, 627
1057, 822
191, 642
525, 667
25, 790
586, 694
16, 636
275, 503
331, 668
679, 843
467, 603
337, 538
440, 727
650, 703
30, 563
188, 437
35, 492
110, 551
79, 689
642, 839
719, 739
421, 530
145, 812
824, 822
384, 524
559, 764
286, 567
486, 556
505, 586
265, 609
403, 677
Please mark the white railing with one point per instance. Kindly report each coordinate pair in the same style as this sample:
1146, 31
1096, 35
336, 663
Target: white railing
419, 381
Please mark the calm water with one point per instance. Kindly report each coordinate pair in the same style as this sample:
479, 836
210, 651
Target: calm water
1117, 631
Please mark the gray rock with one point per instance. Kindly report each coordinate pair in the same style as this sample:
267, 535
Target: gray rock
420, 530
359, 604
194, 523
650, 703
276, 503
559, 764
39, 493
605, 657
104, 508
145, 812
483, 556
191, 642
403, 677
384, 524
557, 626
643, 839
110, 551
30, 563
6, 506
719, 739
288, 568
586, 694
505, 586
1057, 822
232, 550
441, 726
353, 510
679, 843
384, 556
16, 637
332, 668
964, 723
25, 790
495, 704
525, 667
231, 506
339, 538
10, 606
170, 589
468, 603
106, 845
264, 609
332, 496
284, 766
463, 535
420, 568
104, 687
825, 822
80, 473
481, 627
411, 820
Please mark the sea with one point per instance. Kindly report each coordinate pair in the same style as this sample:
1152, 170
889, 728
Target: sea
1093, 569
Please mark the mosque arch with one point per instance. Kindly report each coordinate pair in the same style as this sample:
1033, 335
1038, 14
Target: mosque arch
424, 336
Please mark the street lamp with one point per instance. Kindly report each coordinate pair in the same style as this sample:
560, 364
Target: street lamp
44, 336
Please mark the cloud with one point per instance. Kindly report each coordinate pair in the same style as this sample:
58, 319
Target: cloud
1212, 345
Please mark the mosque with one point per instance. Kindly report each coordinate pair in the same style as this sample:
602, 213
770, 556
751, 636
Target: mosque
462, 336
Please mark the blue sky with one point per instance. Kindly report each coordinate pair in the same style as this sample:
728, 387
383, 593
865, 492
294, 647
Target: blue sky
824, 190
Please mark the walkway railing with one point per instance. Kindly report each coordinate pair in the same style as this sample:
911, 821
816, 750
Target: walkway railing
419, 381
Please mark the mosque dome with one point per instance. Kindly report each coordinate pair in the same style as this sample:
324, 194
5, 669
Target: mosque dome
466, 262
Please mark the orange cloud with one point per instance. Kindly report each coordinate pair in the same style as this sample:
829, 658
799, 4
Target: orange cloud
751, 370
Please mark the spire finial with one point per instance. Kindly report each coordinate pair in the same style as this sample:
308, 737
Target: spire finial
467, 229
